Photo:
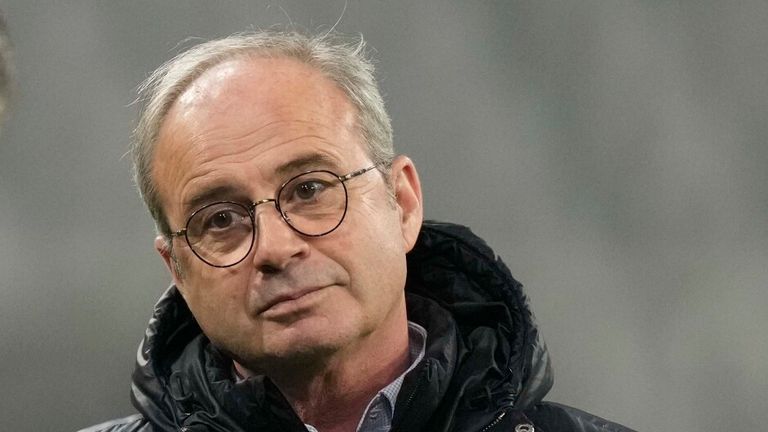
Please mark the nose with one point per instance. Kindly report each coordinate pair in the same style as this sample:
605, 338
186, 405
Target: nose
276, 244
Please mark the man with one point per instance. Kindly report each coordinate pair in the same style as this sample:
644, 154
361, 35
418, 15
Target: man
284, 219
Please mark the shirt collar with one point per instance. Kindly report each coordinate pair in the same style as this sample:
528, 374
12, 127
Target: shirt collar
417, 346
380, 410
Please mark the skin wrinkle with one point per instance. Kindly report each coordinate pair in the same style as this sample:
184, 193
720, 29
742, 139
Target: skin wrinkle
277, 176
223, 191
207, 177
203, 142
276, 123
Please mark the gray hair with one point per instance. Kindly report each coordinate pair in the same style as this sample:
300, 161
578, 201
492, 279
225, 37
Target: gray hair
343, 61
6, 68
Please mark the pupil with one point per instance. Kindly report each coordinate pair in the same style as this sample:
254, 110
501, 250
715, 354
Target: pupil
306, 190
221, 220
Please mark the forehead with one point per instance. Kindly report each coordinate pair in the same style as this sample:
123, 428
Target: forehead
256, 111
252, 93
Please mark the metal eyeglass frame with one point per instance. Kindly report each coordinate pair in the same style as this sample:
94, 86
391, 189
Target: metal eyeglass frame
252, 212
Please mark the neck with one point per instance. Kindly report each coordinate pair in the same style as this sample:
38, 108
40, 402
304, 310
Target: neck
334, 392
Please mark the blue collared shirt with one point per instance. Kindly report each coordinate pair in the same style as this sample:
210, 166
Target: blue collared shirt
378, 415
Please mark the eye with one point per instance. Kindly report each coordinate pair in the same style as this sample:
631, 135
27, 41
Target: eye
218, 218
308, 189
305, 190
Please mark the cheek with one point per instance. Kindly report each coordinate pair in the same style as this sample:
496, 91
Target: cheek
372, 252
214, 296
376, 219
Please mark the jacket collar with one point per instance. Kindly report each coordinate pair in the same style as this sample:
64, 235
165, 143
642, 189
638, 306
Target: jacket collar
500, 359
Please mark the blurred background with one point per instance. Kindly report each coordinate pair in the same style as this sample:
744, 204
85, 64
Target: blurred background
613, 153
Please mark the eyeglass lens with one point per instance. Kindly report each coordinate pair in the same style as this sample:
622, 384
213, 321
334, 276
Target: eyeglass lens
222, 234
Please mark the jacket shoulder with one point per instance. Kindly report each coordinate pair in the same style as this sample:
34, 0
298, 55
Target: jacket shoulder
134, 423
554, 417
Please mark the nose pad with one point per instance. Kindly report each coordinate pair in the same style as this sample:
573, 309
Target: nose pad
283, 218
260, 217
283, 214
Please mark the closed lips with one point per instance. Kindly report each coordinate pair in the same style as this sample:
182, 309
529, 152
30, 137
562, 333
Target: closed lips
293, 295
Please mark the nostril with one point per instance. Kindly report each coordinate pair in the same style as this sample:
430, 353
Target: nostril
269, 269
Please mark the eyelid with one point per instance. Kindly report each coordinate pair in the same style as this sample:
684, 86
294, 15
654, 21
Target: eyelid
209, 199
225, 205
308, 162
206, 209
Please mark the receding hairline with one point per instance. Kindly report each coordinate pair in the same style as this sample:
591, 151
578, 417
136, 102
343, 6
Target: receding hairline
295, 71
246, 54
195, 71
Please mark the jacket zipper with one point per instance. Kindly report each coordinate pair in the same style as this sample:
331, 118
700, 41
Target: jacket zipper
418, 384
412, 395
494, 422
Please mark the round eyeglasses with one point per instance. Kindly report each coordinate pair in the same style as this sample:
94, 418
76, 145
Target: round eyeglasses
313, 204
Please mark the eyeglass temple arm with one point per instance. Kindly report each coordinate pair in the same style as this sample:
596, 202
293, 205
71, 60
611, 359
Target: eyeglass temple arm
179, 233
356, 173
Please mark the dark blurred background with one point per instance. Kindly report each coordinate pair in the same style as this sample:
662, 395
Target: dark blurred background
614, 154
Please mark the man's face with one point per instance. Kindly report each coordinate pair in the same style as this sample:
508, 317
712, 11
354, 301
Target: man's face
237, 133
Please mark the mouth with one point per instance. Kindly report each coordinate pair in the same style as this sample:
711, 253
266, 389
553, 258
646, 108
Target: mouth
289, 302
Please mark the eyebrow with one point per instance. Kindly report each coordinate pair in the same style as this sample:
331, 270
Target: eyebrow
230, 192
216, 193
305, 163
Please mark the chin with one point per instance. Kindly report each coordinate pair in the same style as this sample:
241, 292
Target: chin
300, 357
293, 347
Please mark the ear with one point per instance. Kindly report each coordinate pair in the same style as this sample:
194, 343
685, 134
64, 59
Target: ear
163, 248
407, 190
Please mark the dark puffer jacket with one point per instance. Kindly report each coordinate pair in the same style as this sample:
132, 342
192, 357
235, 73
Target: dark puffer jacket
486, 367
